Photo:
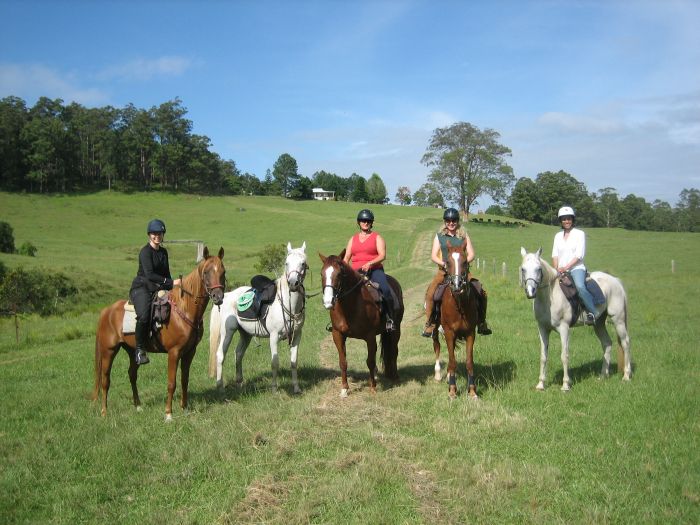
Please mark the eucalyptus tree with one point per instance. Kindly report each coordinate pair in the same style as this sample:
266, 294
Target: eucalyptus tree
403, 196
376, 190
13, 117
428, 195
286, 173
468, 162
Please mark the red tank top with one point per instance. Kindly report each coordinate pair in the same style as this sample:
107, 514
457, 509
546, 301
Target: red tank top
363, 252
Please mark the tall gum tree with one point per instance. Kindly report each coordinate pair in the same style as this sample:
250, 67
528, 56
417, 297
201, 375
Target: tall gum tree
467, 163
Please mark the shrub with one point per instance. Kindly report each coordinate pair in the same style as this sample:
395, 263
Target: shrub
7, 238
34, 291
271, 259
27, 249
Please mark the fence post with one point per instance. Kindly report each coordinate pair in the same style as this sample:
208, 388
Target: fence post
503, 269
200, 251
673, 266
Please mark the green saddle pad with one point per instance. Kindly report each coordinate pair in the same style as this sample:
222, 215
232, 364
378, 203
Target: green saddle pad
245, 300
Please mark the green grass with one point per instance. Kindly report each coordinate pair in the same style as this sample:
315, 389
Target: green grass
606, 452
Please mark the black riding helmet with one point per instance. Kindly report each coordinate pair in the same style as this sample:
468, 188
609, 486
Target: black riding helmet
450, 214
365, 215
156, 226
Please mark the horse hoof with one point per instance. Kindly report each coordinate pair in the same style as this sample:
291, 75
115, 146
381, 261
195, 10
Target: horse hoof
565, 388
168, 418
344, 393
626, 377
540, 387
297, 390
438, 376
139, 408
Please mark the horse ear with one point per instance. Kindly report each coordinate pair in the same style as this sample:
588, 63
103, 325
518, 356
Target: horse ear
205, 253
221, 252
539, 251
289, 247
303, 246
523, 251
323, 257
342, 254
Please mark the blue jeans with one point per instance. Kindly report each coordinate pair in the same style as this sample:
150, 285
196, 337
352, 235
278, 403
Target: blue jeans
378, 276
579, 278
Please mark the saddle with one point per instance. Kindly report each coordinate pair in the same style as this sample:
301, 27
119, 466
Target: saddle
160, 313
254, 303
376, 295
569, 289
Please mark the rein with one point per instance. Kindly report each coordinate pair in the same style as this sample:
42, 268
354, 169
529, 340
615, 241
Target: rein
338, 293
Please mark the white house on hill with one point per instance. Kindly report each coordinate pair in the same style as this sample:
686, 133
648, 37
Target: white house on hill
322, 195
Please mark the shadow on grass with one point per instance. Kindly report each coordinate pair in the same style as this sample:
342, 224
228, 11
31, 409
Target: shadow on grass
584, 371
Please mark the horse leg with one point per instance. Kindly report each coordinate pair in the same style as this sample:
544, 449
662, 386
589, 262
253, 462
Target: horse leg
470, 366
133, 376
436, 349
623, 340
451, 364
293, 350
224, 343
173, 358
241, 347
185, 375
606, 344
544, 347
372, 363
274, 359
339, 340
564, 334
106, 357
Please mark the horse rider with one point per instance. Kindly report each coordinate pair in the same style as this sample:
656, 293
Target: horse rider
568, 252
452, 231
365, 252
153, 275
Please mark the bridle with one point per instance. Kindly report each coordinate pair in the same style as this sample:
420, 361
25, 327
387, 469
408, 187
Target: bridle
209, 289
338, 292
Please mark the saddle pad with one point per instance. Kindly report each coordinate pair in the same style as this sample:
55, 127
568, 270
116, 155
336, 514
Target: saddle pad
596, 292
129, 321
245, 301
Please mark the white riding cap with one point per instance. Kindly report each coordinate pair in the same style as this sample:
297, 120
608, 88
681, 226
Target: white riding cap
566, 211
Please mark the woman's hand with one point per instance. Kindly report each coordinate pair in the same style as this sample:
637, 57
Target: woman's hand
177, 282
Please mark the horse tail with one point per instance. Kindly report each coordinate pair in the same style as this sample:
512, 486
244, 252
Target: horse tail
389, 354
98, 359
214, 338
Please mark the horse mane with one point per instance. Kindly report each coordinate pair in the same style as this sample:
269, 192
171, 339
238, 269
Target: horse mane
549, 270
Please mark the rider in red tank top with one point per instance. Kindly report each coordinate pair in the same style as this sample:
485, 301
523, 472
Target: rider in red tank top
365, 252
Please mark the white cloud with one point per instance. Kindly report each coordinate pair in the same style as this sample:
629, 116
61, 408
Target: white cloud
145, 69
570, 123
30, 82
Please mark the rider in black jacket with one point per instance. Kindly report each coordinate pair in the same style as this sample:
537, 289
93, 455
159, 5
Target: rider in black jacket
153, 275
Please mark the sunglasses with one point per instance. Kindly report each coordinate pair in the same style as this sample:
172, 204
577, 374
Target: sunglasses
453, 221
365, 220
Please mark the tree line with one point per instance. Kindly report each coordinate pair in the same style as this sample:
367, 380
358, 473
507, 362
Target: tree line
57, 147
467, 162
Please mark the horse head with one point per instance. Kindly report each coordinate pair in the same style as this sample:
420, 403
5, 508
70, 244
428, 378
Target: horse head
331, 273
213, 275
530, 272
457, 267
295, 267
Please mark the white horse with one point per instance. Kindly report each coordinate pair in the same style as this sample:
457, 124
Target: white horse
284, 320
553, 312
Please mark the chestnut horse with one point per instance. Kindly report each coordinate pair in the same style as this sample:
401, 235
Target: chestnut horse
458, 318
355, 313
178, 337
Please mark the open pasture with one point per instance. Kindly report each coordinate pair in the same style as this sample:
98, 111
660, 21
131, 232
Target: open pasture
605, 452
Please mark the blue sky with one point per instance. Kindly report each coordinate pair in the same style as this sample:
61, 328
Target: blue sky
608, 91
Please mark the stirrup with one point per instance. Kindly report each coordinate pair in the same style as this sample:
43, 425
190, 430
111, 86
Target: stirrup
428, 330
589, 319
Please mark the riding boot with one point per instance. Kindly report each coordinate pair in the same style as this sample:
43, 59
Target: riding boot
141, 334
388, 315
482, 328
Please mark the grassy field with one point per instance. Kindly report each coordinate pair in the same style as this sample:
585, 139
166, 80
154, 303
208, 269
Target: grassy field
606, 452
